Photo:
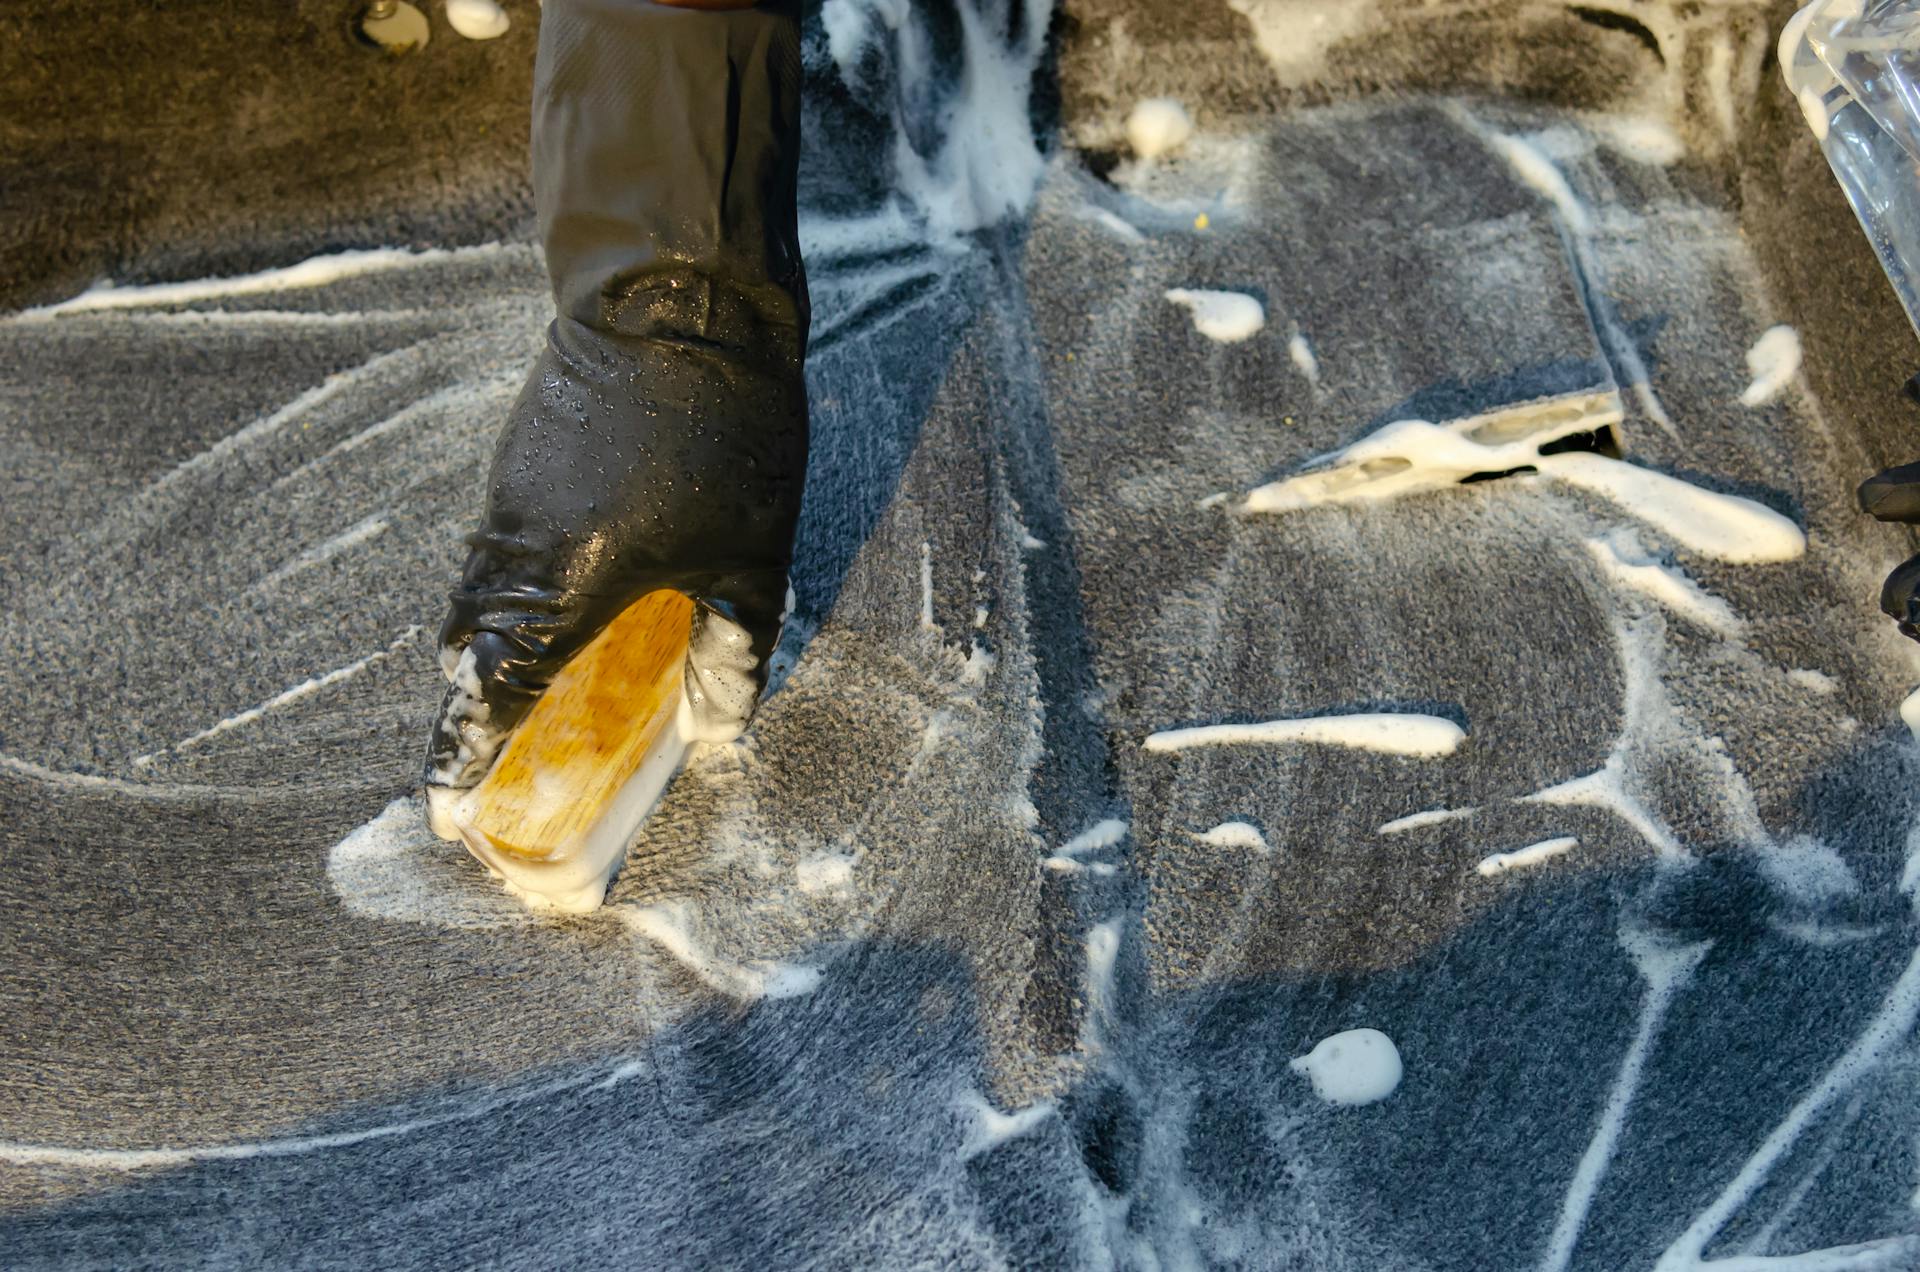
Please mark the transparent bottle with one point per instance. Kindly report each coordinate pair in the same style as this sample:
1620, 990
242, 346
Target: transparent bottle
1854, 66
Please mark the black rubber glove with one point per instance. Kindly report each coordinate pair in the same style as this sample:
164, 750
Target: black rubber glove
661, 440
1894, 495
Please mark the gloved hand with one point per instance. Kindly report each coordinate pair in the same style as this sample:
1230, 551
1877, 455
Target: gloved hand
1894, 495
661, 438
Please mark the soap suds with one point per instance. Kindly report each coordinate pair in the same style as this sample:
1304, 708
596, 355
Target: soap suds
1410, 456
1391, 733
1522, 858
1099, 836
1642, 140
1158, 126
824, 873
989, 1127
1773, 362
131, 1159
1884, 1034
1814, 681
926, 586
315, 271
455, 402
1235, 834
362, 531
985, 164
477, 19
1431, 817
393, 867
1910, 712
295, 411
1359, 1066
1103, 948
1225, 317
1538, 172
1114, 224
1301, 352
1296, 35
669, 926
1625, 561
286, 697
1666, 969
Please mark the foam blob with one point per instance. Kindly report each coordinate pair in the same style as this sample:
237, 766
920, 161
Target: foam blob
1523, 858
1235, 834
1158, 126
1773, 362
1394, 733
1224, 316
477, 19
1360, 1066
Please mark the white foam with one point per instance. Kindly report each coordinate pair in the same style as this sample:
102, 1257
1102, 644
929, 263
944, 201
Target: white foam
1392, 733
1103, 948
121, 786
1725, 527
1606, 788
393, 867
363, 531
477, 19
980, 661
826, 872
926, 586
1296, 35
1304, 361
1773, 362
1624, 561
267, 425
1359, 1066
1158, 126
286, 697
1095, 838
1665, 969
315, 271
1114, 224
1808, 871
131, 1159
1531, 165
1886, 1033
1411, 456
1235, 834
722, 693
1910, 712
1431, 817
669, 926
460, 403
1642, 139
987, 163
1537, 171
1546, 850
848, 24
991, 1128
1813, 681
1031, 544
1225, 317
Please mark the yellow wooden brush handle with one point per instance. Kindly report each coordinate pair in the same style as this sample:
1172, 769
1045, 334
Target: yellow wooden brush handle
587, 735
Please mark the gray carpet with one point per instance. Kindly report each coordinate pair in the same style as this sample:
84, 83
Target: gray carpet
859, 998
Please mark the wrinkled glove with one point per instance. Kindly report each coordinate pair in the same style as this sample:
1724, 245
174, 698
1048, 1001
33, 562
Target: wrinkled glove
661, 439
1894, 495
